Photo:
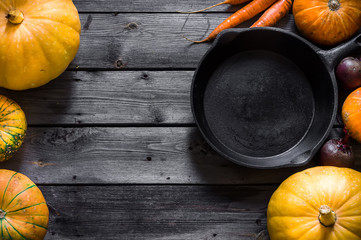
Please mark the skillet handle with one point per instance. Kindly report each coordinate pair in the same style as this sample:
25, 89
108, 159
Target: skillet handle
303, 158
335, 55
227, 36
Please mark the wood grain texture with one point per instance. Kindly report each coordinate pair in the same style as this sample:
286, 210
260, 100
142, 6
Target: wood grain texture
155, 6
110, 97
144, 41
157, 212
132, 155
125, 97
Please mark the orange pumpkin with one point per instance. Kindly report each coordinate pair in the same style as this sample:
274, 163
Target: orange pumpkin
23, 210
327, 22
38, 40
12, 127
322, 203
351, 114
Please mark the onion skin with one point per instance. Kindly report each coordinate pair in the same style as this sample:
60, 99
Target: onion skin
348, 72
336, 153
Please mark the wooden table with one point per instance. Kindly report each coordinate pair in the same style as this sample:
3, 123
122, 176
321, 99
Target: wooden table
112, 142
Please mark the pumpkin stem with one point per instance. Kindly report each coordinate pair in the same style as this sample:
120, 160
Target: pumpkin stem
334, 5
327, 217
2, 214
15, 16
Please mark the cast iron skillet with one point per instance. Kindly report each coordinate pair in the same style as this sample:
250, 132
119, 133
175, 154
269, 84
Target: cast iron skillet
265, 97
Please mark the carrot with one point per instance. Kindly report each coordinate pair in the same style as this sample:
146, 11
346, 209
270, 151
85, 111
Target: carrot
230, 2
276, 12
244, 14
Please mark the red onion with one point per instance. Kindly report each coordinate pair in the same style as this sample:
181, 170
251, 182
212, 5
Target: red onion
337, 152
348, 73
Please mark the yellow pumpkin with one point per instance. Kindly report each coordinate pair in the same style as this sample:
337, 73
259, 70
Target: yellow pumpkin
320, 203
12, 127
38, 40
23, 210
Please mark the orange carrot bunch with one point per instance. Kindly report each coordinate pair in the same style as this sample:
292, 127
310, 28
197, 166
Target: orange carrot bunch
275, 10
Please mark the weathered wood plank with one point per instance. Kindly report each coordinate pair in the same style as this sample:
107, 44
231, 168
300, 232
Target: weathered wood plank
146, 97
169, 155
110, 97
157, 212
138, 41
155, 6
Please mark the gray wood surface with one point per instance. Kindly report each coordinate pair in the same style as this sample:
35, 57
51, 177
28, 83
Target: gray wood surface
159, 212
155, 6
147, 41
109, 97
112, 142
132, 155
115, 98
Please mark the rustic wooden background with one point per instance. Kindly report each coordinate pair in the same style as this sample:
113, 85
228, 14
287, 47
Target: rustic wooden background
112, 142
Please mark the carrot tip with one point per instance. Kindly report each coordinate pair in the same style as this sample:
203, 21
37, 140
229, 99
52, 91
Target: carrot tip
201, 41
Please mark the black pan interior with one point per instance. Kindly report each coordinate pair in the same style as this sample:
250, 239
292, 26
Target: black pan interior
261, 95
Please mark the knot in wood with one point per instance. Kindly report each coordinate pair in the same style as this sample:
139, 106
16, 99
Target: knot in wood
131, 26
119, 64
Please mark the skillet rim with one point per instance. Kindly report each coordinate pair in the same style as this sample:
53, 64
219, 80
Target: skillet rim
245, 160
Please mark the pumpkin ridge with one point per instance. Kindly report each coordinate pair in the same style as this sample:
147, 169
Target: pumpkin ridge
63, 44
52, 20
26, 31
347, 200
2, 202
330, 17
37, 225
12, 135
30, 214
4, 5
8, 126
353, 114
11, 129
1, 226
315, 22
342, 21
294, 194
5, 144
10, 103
307, 231
15, 230
8, 113
352, 7
358, 98
349, 18
18, 195
307, 9
34, 8
8, 232
340, 225
314, 185
38, 42
57, 22
9, 145
34, 205
2, 108
281, 216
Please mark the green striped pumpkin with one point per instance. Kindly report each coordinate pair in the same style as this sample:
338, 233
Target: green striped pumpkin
12, 127
24, 214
